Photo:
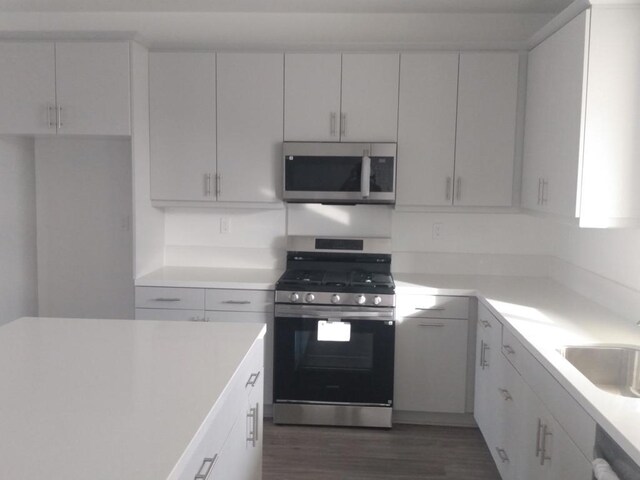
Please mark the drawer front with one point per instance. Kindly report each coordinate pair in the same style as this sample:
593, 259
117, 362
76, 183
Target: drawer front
432, 306
173, 315
170, 298
514, 351
240, 300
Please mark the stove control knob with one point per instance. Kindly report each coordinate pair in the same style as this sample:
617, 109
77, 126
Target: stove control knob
294, 297
310, 297
361, 299
335, 298
377, 300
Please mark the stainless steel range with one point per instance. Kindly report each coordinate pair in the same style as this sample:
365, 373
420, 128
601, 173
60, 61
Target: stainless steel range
335, 333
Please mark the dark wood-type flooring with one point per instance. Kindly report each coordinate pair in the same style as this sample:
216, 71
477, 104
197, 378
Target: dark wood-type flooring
405, 452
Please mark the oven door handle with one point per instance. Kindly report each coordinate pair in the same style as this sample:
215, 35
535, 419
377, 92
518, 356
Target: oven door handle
333, 315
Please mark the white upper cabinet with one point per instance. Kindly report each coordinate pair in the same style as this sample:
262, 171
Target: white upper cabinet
216, 126
581, 135
182, 97
250, 126
348, 97
555, 85
77, 88
92, 88
369, 97
427, 128
486, 126
27, 88
312, 97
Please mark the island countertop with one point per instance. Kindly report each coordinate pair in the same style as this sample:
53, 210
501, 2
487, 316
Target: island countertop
110, 399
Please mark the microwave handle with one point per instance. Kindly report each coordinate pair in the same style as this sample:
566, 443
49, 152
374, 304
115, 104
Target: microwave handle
365, 175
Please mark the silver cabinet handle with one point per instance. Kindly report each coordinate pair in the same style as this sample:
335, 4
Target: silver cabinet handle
431, 309
50, 122
198, 319
543, 451
205, 468
483, 355
539, 190
485, 324
505, 394
431, 325
538, 437
59, 118
207, 184
332, 124
236, 302
343, 124
166, 299
253, 378
459, 188
253, 415
447, 194
509, 350
503, 455
218, 185
545, 184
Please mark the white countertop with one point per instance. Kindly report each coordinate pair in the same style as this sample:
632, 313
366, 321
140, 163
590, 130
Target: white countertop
546, 316
109, 399
204, 277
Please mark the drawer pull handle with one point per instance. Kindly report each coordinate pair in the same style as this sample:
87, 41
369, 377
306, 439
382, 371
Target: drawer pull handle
485, 324
432, 324
509, 350
538, 436
503, 455
166, 299
205, 468
543, 451
253, 378
253, 415
431, 309
237, 302
505, 393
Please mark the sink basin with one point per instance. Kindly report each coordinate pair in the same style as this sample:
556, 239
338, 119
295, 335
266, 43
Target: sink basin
615, 369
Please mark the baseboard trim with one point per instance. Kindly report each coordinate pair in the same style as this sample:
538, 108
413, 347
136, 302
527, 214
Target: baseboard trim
439, 419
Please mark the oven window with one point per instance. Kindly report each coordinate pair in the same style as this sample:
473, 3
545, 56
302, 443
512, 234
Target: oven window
357, 371
354, 355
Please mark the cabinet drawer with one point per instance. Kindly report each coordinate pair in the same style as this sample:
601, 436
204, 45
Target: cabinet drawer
432, 306
170, 298
166, 314
240, 300
514, 351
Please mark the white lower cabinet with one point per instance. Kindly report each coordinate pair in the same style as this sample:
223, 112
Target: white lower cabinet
229, 446
431, 354
525, 437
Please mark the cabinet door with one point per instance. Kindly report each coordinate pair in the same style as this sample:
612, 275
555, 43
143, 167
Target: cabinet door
485, 138
554, 119
431, 365
370, 97
92, 88
250, 126
27, 88
182, 102
427, 128
312, 97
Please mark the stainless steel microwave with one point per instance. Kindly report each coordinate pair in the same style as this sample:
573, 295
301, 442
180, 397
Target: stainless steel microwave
343, 173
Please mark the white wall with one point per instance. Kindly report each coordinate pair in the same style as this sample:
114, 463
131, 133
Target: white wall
85, 254
18, 268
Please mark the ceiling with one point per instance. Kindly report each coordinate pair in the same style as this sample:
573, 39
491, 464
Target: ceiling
283, 6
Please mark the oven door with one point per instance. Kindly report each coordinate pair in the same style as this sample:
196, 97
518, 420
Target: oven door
334, 356
339, 172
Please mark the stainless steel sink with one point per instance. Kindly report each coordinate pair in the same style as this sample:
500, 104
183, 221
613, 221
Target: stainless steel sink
615, 369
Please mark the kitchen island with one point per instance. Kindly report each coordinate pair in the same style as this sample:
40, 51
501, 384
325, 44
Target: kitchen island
121, 399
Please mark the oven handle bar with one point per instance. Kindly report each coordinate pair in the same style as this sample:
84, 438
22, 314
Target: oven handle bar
330, 313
